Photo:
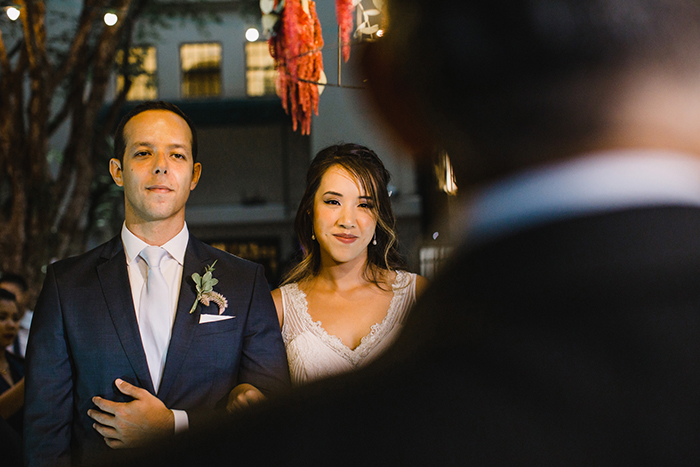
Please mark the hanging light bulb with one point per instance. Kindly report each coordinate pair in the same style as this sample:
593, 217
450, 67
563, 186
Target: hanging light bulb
110, 19
12, 13
252, 35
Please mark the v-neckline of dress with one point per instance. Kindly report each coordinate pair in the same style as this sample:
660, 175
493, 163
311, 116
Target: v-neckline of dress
356, 355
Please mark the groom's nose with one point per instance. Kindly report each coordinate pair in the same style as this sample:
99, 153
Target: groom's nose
160, 163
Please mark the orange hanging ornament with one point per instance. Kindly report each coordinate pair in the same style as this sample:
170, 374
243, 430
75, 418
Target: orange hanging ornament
343, 12
296, 48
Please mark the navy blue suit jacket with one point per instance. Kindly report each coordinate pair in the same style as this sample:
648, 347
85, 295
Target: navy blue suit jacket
85, 335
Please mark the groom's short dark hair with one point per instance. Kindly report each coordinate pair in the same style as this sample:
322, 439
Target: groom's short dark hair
119, 141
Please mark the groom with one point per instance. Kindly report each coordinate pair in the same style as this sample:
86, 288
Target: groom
123, 346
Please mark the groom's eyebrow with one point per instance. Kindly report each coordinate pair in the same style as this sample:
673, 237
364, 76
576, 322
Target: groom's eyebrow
179, 146
170, 146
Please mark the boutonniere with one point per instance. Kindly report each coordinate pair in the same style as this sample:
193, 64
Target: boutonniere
205, 293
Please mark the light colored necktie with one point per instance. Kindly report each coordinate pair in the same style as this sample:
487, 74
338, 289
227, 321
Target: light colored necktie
154, 315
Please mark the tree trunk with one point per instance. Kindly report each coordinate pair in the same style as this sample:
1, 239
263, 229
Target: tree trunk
42, 217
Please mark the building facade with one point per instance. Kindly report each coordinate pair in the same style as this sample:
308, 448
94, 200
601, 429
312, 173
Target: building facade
254, 165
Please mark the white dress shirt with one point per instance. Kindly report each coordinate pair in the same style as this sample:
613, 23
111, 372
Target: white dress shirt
591, 183
171, 266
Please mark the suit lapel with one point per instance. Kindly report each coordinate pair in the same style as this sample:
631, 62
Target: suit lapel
116, 288
185, 323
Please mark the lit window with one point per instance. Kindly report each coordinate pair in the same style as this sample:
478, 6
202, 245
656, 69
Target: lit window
201, 70
260, 69
142, 71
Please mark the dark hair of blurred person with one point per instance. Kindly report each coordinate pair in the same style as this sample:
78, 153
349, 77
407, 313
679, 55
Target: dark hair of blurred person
507, 85
16, 279
16, 284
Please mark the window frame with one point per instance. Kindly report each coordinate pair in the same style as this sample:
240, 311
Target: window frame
273, 92
151, 75
221, 70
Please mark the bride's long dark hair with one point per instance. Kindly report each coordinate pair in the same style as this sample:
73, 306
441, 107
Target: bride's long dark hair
364, 165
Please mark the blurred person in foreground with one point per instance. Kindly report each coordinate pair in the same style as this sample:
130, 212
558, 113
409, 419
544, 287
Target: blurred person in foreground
567, 329
347, 299
17, 285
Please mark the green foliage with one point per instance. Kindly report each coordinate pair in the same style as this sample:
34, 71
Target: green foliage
204, 284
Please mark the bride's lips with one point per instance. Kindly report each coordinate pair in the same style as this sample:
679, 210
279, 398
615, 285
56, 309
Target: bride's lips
345, 238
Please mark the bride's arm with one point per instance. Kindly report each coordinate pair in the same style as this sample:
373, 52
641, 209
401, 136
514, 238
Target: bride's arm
277, 298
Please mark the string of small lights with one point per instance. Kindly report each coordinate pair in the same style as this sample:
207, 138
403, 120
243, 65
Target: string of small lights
13, 12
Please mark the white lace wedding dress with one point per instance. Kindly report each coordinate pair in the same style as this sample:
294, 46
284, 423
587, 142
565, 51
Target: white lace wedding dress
312, 353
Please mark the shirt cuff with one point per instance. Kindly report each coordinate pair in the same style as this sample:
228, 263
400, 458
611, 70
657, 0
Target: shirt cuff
181, 421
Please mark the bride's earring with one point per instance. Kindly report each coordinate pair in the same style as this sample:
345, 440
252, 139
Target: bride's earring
374, 239
313, 237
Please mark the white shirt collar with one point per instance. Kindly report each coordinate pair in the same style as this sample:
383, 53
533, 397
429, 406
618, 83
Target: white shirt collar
176, 246
590, 183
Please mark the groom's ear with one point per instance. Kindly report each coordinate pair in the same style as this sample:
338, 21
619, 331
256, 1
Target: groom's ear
115, 170
196, 173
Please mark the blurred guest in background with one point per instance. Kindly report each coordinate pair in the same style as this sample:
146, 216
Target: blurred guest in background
347, 299
567, 329
16, 284
11, 366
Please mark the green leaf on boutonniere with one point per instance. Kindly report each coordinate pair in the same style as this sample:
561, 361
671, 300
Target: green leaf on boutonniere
197, 279
205, 290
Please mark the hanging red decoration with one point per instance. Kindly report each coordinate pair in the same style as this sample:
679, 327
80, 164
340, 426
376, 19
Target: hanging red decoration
343, 12
296, 47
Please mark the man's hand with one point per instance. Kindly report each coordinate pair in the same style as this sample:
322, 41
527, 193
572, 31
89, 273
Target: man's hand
130, 424
243, 395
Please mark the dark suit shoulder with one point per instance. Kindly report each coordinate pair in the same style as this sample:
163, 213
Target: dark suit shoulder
106, 251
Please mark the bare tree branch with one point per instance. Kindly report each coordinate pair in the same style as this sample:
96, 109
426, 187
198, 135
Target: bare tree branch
45, 213
120, 99
28, 19
4, 61
105, 51
74, 97
79, 45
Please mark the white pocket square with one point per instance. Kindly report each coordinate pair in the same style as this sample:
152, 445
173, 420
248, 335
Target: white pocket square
212, 318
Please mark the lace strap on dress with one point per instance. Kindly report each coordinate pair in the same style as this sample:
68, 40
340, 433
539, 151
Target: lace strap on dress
292, 303
405, 293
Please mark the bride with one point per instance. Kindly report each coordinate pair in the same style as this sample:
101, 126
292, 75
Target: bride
346, 301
